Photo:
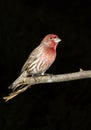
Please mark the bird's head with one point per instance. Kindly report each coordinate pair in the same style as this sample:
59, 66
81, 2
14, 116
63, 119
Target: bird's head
51, 40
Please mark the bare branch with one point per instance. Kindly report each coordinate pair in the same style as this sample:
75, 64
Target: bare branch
49, 79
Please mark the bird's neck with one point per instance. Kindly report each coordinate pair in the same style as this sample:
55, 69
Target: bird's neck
52, 45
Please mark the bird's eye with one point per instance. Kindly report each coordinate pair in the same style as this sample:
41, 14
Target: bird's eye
51, 38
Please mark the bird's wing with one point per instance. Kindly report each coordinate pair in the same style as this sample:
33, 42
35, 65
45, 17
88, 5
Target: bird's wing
32, 57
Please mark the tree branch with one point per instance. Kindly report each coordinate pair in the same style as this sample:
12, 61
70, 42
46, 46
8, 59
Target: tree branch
49, 79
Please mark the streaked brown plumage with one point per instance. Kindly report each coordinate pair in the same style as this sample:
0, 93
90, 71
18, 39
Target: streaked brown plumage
39, 60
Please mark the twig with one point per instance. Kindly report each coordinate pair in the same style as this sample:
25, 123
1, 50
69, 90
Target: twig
50, 79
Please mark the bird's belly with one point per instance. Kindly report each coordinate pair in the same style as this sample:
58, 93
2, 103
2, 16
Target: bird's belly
42, 63
46, 62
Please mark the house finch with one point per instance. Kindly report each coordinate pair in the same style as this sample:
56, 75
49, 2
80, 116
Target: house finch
39, 60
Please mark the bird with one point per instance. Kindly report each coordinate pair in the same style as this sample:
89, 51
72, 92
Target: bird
39, 60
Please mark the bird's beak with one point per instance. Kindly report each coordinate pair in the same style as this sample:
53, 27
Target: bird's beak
57, 40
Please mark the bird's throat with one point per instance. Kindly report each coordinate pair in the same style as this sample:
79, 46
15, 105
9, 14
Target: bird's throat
53, 45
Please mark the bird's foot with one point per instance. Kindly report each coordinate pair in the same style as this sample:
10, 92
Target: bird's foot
46, 74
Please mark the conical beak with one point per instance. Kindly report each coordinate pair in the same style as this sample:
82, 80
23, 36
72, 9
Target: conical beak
57, 40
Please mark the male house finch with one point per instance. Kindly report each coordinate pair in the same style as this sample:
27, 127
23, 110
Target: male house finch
39, 60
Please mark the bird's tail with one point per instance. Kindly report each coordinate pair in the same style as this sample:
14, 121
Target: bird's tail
19, 82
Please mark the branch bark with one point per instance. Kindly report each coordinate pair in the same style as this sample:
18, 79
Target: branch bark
49, 79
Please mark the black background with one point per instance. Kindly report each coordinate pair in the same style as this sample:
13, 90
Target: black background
57, 106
